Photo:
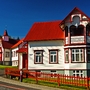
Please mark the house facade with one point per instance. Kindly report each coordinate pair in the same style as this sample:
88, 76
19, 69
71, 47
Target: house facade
46, 47
6, 42
77, 43
16, 50
60, 46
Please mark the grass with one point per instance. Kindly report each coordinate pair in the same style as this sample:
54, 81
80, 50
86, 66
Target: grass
53, 84
3, 67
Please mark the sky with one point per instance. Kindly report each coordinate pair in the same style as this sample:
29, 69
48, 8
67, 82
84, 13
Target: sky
18, 16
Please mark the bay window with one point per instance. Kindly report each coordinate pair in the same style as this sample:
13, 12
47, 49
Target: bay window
66, 56
88, 55
77, 55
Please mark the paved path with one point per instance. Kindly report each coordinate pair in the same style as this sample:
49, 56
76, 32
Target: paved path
8, 86
35, 86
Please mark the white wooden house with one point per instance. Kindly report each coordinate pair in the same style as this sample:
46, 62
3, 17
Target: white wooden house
6, 42
16, 48
60, 46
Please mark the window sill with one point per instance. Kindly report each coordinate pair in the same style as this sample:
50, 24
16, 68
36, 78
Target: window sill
53, 63
78, 62
38, 63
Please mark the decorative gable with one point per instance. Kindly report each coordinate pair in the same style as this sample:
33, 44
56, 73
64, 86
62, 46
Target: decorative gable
75, 17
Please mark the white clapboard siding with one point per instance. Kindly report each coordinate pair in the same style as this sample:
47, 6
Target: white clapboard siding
45, 46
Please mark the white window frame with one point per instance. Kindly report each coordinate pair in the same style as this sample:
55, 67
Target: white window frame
77, 73
7, 54
53, 56
79, 53
66, 55
39, 56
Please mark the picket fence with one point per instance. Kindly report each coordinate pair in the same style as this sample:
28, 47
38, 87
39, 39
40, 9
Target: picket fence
49, 77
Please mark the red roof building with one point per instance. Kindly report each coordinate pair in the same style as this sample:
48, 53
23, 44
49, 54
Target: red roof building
5, 47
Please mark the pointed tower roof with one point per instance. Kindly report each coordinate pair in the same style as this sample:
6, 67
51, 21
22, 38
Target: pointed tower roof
5, 33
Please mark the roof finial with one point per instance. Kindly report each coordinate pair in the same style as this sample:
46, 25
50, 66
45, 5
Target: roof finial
5, 33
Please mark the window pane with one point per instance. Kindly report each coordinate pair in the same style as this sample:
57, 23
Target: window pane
77, 75
53, 52
51, 58
39, 59
73, 57
37, 52
66, 56
77, 71
77, 57
36, 58
88, 57
88, 54
54, 58
77, 50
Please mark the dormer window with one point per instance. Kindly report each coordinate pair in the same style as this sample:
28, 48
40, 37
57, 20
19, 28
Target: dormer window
76, 18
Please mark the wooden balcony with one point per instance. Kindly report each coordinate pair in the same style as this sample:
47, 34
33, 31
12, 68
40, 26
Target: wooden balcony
75, 39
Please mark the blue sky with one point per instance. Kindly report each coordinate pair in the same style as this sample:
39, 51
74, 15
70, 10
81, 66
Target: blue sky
17, 16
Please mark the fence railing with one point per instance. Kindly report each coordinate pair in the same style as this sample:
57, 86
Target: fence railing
58, 78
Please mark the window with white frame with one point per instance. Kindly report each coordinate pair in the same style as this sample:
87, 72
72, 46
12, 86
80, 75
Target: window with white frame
53, 54
66, 56
88, 55
7, 54
77, 55
38, 57
78, 73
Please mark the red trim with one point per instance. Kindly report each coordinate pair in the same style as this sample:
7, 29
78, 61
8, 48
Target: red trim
1, 54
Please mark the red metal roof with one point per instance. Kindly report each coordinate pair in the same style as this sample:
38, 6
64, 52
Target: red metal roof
22, 50
45, 31
9, 44
6, 44
18, 43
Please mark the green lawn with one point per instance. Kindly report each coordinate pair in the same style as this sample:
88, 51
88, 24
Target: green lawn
3, 67
53, 84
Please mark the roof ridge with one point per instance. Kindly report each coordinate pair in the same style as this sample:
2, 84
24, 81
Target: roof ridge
49, 21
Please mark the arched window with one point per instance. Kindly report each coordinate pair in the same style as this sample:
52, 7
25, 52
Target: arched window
73, 30
80, 30
76, 20
66, 31
88, 29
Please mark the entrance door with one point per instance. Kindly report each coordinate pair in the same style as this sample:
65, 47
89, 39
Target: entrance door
25, 61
